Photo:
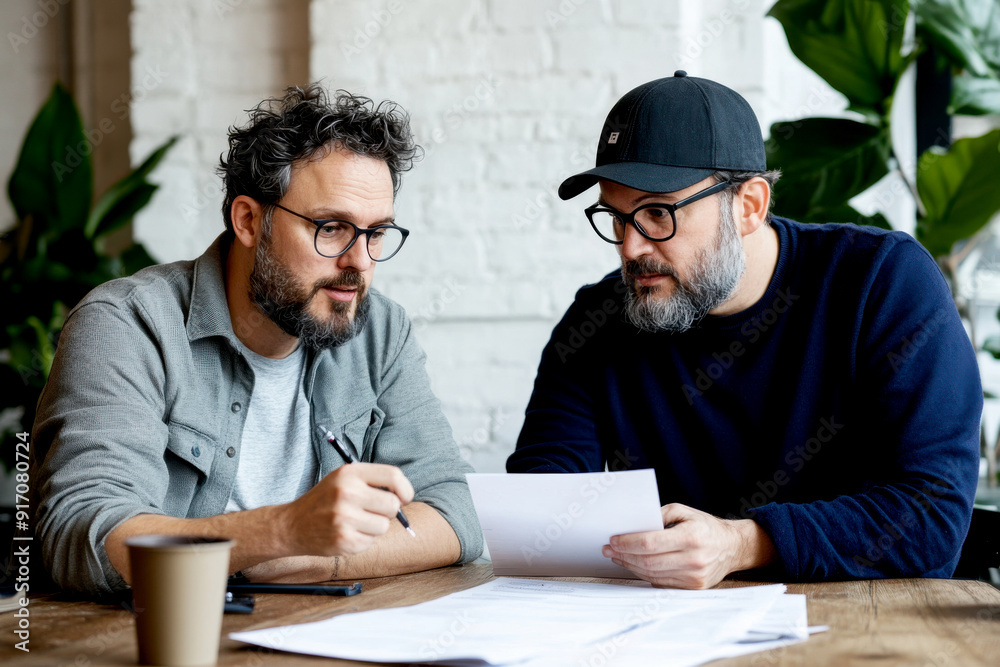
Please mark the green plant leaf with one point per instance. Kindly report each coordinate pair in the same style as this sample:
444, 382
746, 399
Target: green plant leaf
108, 212
992, 345
824, 162
53, 179
125, 208
847, 213
959, 191
975, 96
855, 45
966, 31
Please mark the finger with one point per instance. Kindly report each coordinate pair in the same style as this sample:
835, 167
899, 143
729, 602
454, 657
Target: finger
386, 477
376, 500
360, 520
652, 542
669, 577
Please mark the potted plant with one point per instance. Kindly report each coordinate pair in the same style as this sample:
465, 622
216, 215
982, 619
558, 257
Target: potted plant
56, 253
857, 46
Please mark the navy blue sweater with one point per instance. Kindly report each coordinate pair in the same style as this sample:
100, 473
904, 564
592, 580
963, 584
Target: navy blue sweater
841, 411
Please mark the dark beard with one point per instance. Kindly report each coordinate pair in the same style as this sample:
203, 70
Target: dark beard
275, 291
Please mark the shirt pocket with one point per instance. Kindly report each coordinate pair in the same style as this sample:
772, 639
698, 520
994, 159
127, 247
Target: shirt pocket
362, 430
189, 459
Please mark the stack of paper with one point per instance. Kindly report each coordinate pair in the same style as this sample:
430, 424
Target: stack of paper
535, 622
555, 525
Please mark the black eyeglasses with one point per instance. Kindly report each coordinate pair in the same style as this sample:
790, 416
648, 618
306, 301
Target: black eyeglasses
335, 237
655, 221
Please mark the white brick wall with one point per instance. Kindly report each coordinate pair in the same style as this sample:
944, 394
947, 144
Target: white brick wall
196, 67
507, 97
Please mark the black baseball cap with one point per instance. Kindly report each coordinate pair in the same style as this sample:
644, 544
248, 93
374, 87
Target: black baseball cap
671, 133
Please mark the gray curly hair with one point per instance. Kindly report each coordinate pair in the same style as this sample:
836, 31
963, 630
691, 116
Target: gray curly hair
285, 130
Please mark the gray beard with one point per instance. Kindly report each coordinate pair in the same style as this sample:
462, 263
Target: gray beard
715, 275
274, 289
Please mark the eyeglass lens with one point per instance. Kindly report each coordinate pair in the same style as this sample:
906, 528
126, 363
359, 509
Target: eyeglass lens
334, 237
656, 222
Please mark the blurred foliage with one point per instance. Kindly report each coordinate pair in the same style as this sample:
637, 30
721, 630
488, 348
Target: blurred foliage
57, 251
857, 47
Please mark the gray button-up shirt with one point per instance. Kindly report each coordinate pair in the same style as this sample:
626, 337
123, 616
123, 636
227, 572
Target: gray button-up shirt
143, 414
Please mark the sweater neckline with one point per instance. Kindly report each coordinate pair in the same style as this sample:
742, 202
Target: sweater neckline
773, 293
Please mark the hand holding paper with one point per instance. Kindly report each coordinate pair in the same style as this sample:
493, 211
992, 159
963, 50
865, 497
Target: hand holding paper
556, 524
698, 550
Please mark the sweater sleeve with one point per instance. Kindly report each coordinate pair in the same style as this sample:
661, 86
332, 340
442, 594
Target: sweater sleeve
920, 400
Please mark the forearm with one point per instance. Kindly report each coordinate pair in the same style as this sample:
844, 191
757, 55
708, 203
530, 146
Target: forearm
258, 533
396, 552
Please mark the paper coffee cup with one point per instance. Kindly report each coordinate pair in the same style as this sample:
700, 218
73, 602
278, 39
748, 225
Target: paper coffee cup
178, 590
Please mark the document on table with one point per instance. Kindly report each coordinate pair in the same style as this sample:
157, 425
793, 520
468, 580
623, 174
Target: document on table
555, 524
510, 621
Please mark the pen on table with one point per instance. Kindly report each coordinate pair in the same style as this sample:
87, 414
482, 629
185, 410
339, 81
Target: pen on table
349, 458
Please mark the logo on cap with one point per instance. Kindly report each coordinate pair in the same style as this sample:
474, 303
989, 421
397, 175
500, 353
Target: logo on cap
613, 138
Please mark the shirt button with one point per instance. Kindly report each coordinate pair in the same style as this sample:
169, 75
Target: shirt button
236, 407
231, 452
196, 451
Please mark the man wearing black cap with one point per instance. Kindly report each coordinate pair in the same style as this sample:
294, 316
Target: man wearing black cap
806, 394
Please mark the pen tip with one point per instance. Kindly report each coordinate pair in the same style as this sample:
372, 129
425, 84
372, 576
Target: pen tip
410, 531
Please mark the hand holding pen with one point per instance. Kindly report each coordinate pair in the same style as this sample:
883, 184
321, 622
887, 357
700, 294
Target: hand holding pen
349, 458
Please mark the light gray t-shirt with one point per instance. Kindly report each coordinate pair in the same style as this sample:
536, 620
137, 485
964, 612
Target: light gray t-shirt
277, 460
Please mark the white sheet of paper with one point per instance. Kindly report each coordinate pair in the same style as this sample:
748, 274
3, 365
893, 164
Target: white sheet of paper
554, 525
697, 637
511, 620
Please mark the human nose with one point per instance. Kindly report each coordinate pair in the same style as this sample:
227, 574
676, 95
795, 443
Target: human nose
634, 244
356, 257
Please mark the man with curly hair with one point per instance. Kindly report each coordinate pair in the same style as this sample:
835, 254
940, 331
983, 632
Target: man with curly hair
196, 397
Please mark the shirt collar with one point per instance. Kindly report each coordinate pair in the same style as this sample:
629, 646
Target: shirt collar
209, 313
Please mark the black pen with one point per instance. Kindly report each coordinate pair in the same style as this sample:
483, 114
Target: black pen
349, 458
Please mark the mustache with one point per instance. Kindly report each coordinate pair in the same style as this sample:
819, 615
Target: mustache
345, 279
633, 267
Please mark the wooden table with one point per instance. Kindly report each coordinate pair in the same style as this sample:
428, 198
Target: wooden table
931, 622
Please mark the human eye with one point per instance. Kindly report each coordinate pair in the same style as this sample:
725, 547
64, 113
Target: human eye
332, 228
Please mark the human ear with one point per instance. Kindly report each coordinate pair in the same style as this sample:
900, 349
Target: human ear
750, 205
247, 215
